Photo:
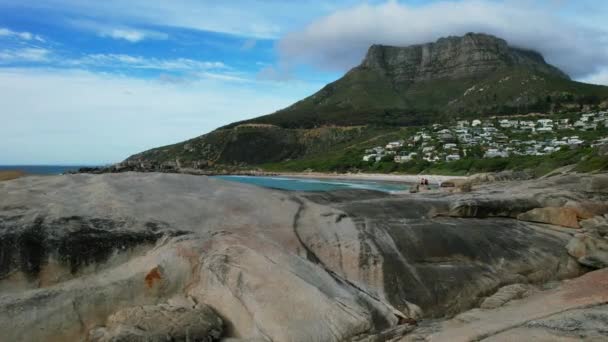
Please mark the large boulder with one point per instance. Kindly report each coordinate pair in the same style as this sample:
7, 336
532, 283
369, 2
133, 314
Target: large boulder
596, 226
82, 251
560, 216
504, 295
589, 251
159, 323
574, 310
587, 209
598, 183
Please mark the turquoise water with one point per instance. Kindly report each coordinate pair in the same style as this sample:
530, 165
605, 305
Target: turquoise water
309, 184
42, 169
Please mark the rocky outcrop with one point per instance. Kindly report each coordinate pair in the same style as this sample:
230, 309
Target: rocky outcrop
573, 311
158, 323
589, 250
505, 295
560, 216
272, 265
453, 58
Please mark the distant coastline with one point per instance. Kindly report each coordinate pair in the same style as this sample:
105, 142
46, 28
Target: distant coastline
42, 169
433, 179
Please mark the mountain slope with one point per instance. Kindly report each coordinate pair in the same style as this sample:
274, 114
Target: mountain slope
471, 76
420, 83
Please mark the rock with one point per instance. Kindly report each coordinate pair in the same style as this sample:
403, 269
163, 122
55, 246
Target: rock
161, 322
414, 188
330, 266
461, 185
574, 311
507, 175
491, 206
597, 226
598, 183
588, 209
8, 175
561, 216
504, 295
589, 251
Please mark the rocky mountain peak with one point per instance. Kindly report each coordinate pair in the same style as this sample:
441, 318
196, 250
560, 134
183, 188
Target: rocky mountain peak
453, 58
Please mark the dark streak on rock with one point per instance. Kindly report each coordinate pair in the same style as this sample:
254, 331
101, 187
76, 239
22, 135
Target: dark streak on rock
74, 241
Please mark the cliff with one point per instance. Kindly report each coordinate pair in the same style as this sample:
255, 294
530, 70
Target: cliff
453, 58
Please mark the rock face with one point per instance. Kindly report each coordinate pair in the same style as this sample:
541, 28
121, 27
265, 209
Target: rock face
453, 58
158, 323
566, 217
119, 251
589, 251
573, 311
504, 295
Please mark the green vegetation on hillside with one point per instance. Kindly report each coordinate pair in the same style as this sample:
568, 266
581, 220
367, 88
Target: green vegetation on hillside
365, 97
585, 159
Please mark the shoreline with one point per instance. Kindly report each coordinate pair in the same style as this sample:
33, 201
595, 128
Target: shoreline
433, 179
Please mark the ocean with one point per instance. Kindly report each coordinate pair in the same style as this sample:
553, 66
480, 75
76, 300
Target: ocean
43, 169
309, 184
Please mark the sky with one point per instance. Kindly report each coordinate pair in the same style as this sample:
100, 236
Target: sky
92, 82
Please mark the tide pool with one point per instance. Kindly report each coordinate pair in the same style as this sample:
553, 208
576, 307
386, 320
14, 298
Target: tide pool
310, 184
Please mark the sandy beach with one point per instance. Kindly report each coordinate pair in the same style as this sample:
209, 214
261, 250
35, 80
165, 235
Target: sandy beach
433, 179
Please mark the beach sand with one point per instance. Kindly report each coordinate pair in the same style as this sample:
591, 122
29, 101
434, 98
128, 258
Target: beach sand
433, 179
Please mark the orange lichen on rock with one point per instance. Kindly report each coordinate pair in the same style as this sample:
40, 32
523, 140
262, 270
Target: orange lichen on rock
152, 276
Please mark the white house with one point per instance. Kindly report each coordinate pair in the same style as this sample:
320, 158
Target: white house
493, 152
405, 158
452, 157
476, 123
462, 123
394, 144
508, 123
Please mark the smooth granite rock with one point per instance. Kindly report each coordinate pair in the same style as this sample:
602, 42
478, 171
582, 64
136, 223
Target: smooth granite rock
85, 254
159, 323
589, 250
560, 216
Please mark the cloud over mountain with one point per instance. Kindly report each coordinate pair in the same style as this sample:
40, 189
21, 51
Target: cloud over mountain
339, 41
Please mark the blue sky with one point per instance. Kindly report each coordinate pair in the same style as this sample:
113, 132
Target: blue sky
95, 81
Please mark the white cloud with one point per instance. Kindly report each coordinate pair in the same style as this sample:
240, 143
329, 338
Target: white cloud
120, 32
5, 32
24, 55
340, 40
600, 77
72, 116
256, 19
138, 62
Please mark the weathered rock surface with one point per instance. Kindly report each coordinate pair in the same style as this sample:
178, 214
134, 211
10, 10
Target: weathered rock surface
272, 265
560, 216
163, 322
589, 250
504, 295
596, 226
574, 311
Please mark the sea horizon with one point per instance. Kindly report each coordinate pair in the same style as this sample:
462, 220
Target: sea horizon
45, 169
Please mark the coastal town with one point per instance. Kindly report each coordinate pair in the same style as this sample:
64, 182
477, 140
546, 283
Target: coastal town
495, 138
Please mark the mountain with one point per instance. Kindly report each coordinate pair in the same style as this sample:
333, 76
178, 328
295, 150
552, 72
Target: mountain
475, 75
